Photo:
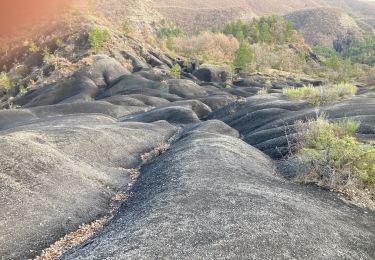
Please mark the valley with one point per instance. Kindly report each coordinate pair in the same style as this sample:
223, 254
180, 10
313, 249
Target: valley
174, 130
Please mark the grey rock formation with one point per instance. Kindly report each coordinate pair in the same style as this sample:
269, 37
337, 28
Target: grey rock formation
60, 172
212, 196
266, 121
67, 147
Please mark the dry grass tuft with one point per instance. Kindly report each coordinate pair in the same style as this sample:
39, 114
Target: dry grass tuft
321, 95
84, 232
73, 239
133, 173
160, 148
263, 91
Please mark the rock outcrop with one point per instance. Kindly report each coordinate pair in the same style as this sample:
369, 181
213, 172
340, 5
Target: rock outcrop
212, 196
72, 141
267, 121
59, 172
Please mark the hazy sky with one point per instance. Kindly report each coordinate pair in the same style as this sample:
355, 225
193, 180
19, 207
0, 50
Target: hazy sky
16, 13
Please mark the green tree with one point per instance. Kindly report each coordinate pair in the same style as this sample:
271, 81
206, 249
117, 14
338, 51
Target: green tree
243, 56
264, 33
97, 38
254, 31
362, 51
272, 30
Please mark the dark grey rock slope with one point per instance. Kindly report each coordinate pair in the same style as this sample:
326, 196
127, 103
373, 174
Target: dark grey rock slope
212, 196
60, 172
266, 121
68, 146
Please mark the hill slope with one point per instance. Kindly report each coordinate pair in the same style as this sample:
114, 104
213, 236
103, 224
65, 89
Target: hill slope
197, 15
177, 164
328, 27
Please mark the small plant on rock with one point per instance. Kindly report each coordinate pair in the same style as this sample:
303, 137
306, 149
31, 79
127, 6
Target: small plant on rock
97, 38
263, 91
125, 27
33, 47
22, 89
176, 71
308, 92
46, 53
345, 89
5, 82
321, 95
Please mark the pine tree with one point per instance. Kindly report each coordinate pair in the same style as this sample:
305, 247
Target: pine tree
244, 56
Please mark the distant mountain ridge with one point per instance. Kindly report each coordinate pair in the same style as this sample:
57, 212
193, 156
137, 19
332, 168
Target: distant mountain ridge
197, 15
327, 27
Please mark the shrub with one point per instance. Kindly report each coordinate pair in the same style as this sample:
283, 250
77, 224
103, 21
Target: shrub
176, 71
263, 91
60, 64
309, 93
337, 67
46, 53
346, 127
207, 46
97, 38
33, 47
323, 52
345, 89
125, 27
169, 43
362, 51
338, 158
169, 31
321, 95
243, 57
280, 57
22, 90
5, 82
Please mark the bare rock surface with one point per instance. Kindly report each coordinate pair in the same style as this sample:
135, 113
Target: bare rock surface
68, 144
60, 172
266, 121
212, 196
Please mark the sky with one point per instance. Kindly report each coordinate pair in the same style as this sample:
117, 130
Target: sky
24, 13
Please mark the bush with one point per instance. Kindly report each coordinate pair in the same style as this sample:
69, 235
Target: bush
97, 38
309, 93
362, 51
170, 31
346, 127
321, 95
33, 47
243, 57
207, 46
263, 91
5, 82
125, 27
344, 89
22, 90
338, 159
176, 71
337, 67
280, 57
